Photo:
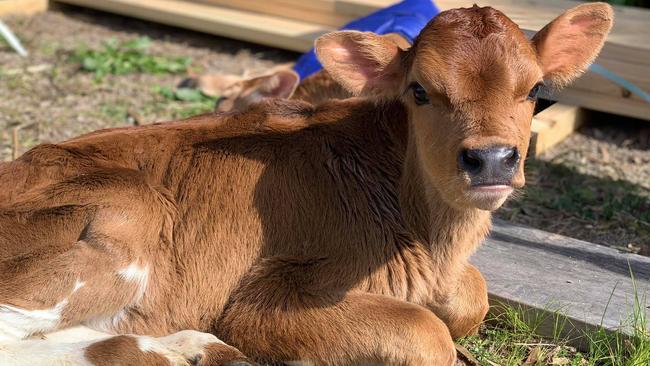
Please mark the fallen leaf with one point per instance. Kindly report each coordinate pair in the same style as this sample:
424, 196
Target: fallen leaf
533, 357
560, 361
466, 356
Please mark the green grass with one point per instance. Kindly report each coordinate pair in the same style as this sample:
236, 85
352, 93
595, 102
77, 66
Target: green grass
120, 58
596, 209
184, 102
512, 338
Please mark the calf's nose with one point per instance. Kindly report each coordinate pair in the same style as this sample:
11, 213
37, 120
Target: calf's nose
491, 166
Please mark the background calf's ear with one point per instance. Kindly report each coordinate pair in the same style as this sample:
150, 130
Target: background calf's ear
280, 84
363, 63
569, 44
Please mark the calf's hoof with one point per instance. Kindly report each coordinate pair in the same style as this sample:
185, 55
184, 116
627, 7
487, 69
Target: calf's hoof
204, 349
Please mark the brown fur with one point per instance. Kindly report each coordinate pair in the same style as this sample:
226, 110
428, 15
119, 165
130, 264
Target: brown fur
122, 351
337, 233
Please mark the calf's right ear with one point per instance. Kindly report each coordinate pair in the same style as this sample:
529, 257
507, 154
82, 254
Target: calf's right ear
362, 62
569, 44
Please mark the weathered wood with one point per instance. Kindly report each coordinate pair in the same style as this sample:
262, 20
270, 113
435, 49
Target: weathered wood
269, 30
22, 7
303, 11
585, 283
552, 125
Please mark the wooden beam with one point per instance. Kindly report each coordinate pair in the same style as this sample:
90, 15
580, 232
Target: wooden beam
555, 278
304, 11
264, 29
22, 7
552, 125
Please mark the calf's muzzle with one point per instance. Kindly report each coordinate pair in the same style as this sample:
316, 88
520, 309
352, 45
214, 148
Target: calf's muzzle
490, 166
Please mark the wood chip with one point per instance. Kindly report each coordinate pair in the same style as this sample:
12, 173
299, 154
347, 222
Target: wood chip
605, 154
533, 357
466, 356
560, 361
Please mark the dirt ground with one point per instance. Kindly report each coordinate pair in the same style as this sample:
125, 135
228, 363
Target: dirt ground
594, 186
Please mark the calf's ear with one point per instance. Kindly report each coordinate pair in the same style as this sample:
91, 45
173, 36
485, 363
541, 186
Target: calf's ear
570, 43
280, 84
363, 63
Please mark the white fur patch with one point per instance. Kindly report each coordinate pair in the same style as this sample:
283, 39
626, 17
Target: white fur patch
17, 323
79, 333
43, 353
148, 344
189, 343
77, 285
138, 275
108, 323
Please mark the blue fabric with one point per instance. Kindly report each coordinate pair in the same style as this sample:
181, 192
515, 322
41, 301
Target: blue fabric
406, 18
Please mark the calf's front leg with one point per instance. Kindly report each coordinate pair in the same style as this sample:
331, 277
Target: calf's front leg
467, 305
285, 311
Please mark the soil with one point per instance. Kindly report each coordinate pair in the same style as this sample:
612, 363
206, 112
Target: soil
594, 186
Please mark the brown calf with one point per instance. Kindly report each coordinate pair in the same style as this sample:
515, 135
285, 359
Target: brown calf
239, 93
336, 234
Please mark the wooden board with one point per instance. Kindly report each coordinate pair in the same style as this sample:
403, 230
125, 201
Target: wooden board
586, 284
269, 30
22, 7
306, 11
552, 125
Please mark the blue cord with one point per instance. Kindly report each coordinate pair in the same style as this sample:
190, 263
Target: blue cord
617, 79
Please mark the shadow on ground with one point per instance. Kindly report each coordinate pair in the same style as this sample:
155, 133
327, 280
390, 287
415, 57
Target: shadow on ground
559, 199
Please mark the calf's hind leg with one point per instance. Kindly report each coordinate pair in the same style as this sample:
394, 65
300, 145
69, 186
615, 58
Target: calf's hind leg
76, 255
183, 348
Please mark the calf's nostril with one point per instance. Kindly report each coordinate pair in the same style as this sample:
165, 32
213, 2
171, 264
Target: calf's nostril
512, 158
470, 161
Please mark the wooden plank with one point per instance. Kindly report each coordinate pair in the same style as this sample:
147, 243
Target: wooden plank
552, 125
264, 29
590, 99
547, 273
303, 11
22, 7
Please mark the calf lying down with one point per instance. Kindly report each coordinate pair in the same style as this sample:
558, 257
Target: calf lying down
329, 234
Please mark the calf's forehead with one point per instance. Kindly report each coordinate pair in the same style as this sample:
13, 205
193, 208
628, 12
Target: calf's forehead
474, 54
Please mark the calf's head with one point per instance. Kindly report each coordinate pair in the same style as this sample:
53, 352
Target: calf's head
240, 95
469, 83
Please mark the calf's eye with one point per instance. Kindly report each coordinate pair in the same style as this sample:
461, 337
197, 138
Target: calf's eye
534, 92
419, 94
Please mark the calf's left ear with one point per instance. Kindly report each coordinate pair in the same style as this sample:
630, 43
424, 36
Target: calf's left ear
570, 43
364, 63
280, 84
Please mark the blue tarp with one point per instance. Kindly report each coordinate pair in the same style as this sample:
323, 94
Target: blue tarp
406, 18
